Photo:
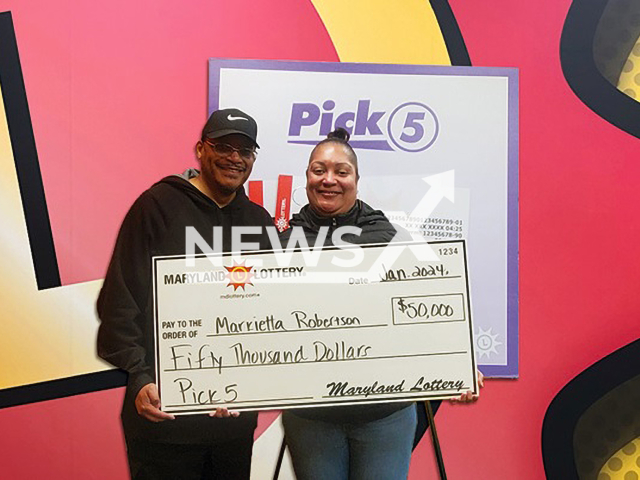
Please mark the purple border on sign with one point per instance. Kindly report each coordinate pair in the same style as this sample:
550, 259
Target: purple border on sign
511, 74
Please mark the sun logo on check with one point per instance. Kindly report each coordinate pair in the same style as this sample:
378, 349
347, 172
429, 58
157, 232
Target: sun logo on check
239, 275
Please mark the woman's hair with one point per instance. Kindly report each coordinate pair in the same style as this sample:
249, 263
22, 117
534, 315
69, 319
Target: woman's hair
341, 137
339, 134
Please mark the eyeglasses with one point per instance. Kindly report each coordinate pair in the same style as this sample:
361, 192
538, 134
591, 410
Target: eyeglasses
226, 150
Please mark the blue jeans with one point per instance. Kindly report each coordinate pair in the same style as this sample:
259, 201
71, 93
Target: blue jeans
380, 449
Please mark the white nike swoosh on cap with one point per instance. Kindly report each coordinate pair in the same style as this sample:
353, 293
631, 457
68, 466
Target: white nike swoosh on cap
229, 117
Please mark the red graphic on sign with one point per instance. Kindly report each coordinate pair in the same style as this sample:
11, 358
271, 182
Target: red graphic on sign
255, 192
283, 202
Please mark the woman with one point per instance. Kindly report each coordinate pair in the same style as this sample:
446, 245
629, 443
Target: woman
352, 442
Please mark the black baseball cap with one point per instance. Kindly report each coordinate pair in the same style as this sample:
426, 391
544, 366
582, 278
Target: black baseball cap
228, 121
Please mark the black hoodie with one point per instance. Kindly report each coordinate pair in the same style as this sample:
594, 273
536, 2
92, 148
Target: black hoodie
156, 225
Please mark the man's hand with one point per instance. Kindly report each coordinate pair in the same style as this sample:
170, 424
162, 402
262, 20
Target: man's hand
148, 404
468, 397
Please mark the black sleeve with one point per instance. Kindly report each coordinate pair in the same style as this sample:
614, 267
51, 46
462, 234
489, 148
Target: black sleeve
401, 235
123, 298
266, 222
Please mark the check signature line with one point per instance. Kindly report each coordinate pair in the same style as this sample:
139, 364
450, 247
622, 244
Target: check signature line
237, 403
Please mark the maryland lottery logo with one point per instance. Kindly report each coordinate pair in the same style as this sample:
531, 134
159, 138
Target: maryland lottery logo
409, 127
239, 275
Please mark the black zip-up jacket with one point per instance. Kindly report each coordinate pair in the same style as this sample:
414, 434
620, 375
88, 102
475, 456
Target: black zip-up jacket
376, 228
155, 225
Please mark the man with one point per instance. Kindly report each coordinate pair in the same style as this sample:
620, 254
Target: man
160, 445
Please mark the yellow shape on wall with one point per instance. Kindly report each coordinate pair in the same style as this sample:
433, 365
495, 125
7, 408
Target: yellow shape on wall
629, 82
624, 464
383, 31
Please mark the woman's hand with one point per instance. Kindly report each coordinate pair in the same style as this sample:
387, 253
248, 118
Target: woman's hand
469, 397
223, 413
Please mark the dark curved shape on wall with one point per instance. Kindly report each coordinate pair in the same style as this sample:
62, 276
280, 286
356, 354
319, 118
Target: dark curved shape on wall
43, 253
36, 214
571, 403
582, 75
458, 53
64, 387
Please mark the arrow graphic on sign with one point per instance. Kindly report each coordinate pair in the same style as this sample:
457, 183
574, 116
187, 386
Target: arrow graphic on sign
442, 186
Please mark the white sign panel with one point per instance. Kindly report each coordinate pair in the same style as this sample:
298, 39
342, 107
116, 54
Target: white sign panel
407, 124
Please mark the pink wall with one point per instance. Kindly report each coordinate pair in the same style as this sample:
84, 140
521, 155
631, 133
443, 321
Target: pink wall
117, 91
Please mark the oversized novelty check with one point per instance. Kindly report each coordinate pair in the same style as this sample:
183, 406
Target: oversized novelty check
316, 327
